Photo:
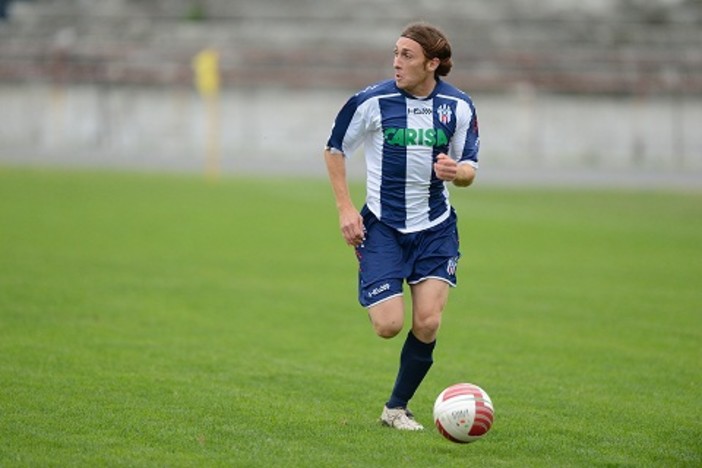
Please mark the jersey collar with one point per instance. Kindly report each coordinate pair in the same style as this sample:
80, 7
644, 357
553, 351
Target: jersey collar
425, 98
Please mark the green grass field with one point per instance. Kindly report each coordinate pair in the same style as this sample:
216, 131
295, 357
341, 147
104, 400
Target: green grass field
161, 320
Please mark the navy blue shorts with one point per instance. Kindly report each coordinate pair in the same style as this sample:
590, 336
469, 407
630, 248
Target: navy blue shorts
388, 257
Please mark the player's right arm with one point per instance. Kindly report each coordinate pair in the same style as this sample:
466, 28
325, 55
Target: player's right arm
350, 220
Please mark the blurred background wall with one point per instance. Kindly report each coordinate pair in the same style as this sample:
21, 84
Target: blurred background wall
581, 89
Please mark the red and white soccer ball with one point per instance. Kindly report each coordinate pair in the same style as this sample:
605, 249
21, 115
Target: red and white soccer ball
463, 413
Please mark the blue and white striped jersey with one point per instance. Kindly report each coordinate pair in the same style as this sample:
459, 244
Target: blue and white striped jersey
402, 135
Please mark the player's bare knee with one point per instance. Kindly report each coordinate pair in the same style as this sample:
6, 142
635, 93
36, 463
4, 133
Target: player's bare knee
427, 328
387, 330
387, 317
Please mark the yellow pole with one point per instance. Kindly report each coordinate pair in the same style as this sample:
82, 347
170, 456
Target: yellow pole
206, 67
212, 152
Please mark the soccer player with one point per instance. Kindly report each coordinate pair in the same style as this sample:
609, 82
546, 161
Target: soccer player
418, 133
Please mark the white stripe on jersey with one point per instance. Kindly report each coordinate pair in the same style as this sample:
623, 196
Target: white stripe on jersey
420, 164
373, 148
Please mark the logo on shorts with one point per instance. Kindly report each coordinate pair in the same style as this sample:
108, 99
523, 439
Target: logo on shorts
380, 289
451, 266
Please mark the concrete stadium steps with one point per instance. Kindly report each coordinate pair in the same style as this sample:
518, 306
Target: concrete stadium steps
564, 45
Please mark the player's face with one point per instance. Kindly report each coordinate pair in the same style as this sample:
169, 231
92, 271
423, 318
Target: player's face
414, 72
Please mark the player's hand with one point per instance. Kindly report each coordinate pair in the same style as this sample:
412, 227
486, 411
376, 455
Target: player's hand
445, 167
351, 224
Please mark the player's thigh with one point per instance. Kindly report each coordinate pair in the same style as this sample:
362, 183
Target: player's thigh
388, 316
429, 298
380, 263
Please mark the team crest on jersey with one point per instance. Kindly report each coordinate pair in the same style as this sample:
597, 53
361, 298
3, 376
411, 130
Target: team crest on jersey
444, 113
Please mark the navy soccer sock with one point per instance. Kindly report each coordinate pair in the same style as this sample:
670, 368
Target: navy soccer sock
415, 361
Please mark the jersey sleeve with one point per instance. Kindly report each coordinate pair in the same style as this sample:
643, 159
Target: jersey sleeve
347, 132
467, 137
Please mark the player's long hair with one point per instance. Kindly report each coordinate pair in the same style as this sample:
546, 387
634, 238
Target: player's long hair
434, 44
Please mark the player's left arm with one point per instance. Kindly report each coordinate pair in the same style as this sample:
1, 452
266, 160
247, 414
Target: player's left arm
465, 175
461, 174
467, 146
